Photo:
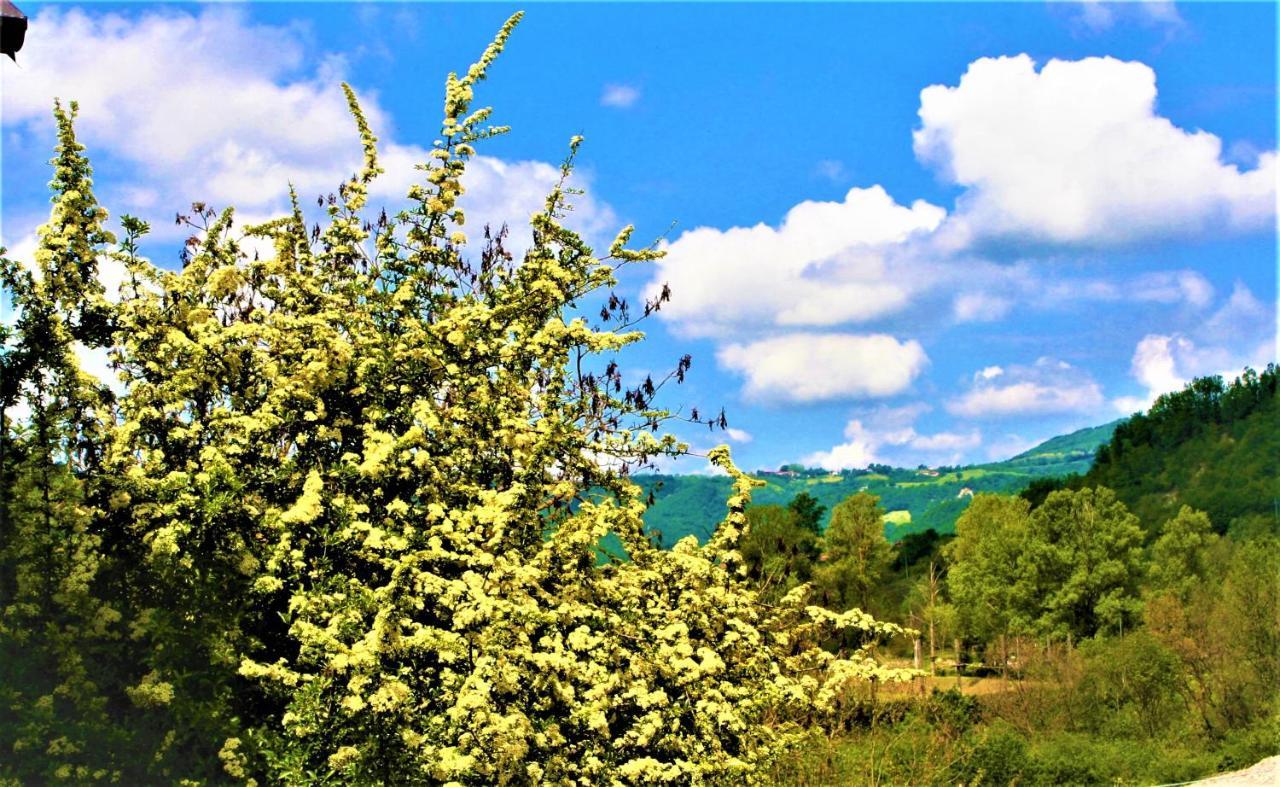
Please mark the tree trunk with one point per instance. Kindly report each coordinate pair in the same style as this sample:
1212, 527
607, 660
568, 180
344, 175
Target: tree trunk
932, 645
1004, 657
919, 679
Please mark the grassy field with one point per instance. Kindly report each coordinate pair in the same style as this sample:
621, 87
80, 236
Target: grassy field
900, 517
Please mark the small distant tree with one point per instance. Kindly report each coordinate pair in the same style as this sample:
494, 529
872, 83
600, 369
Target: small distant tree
808, 511
778, 551
857, 553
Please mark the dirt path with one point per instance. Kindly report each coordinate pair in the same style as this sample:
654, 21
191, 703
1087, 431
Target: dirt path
1265, 773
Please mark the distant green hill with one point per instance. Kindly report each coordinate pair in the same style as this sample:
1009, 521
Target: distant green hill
1080, 445
1212, 446
916, 499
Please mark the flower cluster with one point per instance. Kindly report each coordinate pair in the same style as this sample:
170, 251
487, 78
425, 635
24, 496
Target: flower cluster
349, 511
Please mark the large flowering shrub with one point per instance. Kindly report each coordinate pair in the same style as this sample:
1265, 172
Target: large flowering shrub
343, 524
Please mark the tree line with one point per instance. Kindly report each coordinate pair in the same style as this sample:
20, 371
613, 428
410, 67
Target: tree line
1104, 627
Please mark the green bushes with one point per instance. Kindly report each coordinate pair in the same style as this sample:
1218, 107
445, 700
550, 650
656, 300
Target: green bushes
920, 749
1242, 748
1131, 683
999, 756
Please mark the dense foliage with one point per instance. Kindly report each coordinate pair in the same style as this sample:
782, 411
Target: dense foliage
1088, 651
341, 524
1187, 693
1214, 446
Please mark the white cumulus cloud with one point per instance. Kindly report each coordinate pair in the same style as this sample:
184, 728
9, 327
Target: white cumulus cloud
806, 367
1047, 386
1237, 335
823, 265
888, 435
211, 106
1075, 153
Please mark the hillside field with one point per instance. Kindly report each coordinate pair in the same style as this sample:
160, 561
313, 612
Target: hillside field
916, 499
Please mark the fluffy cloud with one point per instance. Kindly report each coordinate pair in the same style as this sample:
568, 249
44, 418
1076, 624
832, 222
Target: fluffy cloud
1155, 366
1075, 153
1166, 362
856, 452
220, 108
619, 96
823, 265
1046, 387
1069, 154
888, 435
1153, 363
806, 367
213, 107
1238, 334
980, 307
1099, 15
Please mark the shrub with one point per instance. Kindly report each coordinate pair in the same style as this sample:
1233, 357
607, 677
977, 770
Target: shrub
1134, 677
1242, 748
951, 712
999, 757
341, 525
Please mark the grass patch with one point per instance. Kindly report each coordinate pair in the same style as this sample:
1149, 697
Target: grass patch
900, 517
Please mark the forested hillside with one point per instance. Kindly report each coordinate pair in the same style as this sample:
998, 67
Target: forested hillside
918, 500
1212, 446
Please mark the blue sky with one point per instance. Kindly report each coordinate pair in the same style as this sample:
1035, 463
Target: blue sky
908, 233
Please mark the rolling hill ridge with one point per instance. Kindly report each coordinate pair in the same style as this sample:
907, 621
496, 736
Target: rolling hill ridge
917, 499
